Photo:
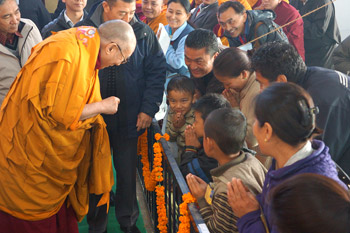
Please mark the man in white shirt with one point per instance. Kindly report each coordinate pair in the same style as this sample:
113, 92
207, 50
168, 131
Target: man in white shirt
67, 19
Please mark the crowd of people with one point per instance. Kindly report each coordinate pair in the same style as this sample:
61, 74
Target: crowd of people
257, 113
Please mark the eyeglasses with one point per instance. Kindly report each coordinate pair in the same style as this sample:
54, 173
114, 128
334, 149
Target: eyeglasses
125, 60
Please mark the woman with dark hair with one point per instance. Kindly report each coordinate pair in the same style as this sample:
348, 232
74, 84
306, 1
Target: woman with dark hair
320, 205
178, 12
284, 126
233, 69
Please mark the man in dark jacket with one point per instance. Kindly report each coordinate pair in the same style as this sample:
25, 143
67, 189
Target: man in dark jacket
329, 90
321, 32
139, 84
35, 11
243, 26
61, 6
73, 14
204, 16
341, 56
201, 48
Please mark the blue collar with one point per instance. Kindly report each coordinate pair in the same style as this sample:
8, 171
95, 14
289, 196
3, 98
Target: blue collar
177, 32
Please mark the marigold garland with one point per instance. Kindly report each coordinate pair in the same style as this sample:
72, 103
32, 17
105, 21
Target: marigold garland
154, 177
184, 218
148, 176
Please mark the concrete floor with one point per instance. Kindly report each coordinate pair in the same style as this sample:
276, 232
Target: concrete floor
143, 208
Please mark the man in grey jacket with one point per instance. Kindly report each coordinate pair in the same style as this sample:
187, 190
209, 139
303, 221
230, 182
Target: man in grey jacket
242, 26
341, 57
17, 37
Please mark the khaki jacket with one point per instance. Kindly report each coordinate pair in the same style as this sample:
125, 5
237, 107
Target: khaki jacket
10, 65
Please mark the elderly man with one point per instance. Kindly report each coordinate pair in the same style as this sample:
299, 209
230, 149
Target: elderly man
54, 147
154, 12
329, 89
242, 26
73, 13
17, 37
201, 48
139, 84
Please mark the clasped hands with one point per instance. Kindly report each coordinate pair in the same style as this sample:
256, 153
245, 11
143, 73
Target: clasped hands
241, 200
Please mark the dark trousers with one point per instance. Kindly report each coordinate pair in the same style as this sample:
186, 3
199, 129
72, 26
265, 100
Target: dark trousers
126, 208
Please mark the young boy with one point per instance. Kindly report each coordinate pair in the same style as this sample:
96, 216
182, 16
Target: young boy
224, 134
194, 160
180, 93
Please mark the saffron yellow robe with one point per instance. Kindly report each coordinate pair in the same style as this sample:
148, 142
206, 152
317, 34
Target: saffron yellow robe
154, 23
48, 156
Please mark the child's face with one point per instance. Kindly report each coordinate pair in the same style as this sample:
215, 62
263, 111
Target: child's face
180, 101
198, 124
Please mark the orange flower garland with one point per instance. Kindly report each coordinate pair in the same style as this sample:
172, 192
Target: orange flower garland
184, 226
156, 176
148, 176
152, 178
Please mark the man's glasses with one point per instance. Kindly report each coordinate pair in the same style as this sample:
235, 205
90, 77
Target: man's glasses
125, 60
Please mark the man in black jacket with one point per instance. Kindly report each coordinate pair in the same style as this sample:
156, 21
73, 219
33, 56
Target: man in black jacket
73, 14
329, 89
35, 11
139, 84
201, 48
243, 26
321, 32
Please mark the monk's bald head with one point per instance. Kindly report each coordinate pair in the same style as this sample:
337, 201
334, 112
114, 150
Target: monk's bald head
118, 42
120, 32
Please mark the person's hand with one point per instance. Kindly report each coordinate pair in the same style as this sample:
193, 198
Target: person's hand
110, 105
178, 120
240, 199
191, 137
197, 186
232, 96
143, 121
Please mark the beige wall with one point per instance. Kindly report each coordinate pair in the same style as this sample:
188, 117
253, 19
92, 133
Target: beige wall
51, 5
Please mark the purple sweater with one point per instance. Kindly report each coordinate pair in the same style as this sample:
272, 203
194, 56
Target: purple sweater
318, 162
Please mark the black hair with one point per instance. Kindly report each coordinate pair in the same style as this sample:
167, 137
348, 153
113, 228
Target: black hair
236, 6
181, 83
185, 3
202, 38
286, 108
112, 2
310, 203
208, 103
279, 58
231, 62
227, 127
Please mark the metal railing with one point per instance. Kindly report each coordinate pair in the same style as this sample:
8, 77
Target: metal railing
175, 186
